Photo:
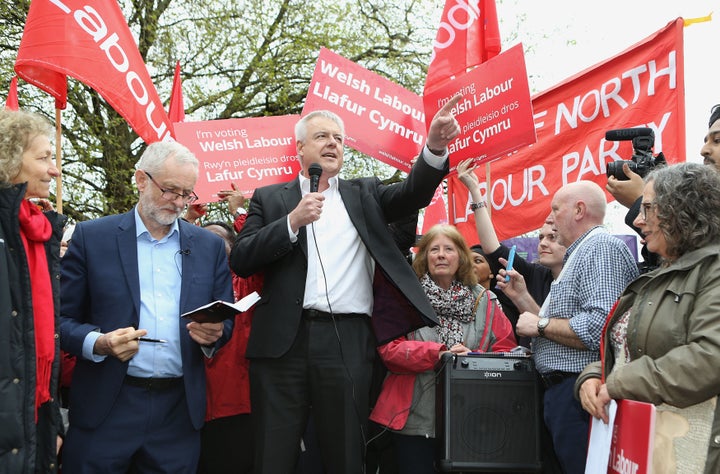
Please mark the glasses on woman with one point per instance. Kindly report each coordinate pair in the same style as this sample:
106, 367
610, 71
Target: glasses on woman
187, 198
645, 207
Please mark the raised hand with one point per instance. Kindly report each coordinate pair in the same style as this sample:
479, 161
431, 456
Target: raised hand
466, 174
443, 128
233, 197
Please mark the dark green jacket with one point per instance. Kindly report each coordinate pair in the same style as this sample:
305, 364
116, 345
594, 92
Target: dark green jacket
673, 338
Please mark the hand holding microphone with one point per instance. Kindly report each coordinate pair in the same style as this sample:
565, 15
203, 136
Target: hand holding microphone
309, 208
315, 171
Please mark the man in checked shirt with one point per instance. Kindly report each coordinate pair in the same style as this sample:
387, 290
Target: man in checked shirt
566, 330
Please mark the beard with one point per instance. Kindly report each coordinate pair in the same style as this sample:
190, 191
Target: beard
164, 215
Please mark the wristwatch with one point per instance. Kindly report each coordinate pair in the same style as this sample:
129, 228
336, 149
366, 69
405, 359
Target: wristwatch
542, 324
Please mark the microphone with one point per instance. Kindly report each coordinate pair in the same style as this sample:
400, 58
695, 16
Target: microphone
185, 252
315, 170
628, 133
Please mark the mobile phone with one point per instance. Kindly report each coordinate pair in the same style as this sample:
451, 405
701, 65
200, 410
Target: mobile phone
510, 260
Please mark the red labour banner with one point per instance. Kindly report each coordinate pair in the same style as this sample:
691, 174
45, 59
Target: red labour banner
383, 119
640, 87
91, 42
250, 152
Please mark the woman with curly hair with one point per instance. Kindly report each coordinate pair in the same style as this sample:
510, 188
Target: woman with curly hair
661, 343
29, 303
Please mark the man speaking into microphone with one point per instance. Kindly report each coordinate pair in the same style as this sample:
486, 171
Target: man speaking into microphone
335, 286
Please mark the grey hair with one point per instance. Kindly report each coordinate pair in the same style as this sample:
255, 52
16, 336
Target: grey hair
17, 130
156, 154
687, 206
301, 125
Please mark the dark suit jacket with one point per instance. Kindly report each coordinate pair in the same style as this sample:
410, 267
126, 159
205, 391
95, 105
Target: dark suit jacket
400, 304
100, 290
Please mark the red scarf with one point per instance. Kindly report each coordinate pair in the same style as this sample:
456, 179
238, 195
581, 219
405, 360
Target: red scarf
35, 230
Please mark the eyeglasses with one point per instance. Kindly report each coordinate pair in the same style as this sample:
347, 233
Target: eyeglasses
187, 198
645, 207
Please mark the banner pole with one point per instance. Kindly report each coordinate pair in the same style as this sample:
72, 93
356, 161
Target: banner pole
488, 197
58, 161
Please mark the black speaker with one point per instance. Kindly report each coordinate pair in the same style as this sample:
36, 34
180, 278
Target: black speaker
488, 414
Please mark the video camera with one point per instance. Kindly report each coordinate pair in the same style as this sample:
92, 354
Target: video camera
642, 160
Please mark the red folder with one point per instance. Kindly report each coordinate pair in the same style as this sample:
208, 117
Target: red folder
632, 441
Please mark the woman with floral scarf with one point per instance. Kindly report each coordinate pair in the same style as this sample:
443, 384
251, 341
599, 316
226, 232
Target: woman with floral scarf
470, 320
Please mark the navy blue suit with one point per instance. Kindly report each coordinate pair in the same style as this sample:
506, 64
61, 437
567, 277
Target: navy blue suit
101, 291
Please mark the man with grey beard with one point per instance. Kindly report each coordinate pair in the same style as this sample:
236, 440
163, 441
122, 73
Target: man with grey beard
137, 399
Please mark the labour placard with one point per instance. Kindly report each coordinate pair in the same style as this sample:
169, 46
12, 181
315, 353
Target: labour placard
495, 112
382, 119
250, 152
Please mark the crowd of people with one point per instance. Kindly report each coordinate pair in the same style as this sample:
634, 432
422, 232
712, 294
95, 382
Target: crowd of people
342, 348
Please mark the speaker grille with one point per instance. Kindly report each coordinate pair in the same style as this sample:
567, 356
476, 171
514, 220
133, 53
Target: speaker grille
489, 425
496, 421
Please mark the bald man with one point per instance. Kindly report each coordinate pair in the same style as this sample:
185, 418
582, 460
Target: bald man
566, 332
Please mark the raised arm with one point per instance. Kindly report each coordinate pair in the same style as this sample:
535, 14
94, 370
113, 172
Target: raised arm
483, 224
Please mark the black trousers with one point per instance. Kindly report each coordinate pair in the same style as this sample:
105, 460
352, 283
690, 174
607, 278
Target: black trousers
329, 369
226, 446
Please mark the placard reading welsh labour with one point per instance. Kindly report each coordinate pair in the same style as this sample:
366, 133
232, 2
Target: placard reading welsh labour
250, 152
382, 119
495, 113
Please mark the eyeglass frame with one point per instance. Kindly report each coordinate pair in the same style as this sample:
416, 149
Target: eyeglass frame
645, 207
186, 198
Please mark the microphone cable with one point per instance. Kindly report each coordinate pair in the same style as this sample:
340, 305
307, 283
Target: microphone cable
342, 354
432, 383
182, 253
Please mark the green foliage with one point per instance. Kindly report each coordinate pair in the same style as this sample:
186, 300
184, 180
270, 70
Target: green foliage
239, 58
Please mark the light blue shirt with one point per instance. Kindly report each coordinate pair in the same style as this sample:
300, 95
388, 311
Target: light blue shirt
160, 276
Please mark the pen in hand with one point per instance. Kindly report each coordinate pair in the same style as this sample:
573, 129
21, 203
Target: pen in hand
149, 339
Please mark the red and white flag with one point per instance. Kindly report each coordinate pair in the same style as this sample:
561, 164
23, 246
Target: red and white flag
468, 35
176, 110
435, 212
91, 42
11, 103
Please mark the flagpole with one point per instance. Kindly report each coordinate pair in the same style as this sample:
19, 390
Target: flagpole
488, 196
58, 161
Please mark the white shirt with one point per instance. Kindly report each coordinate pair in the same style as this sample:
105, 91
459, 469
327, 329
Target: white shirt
340, 268
343, 270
